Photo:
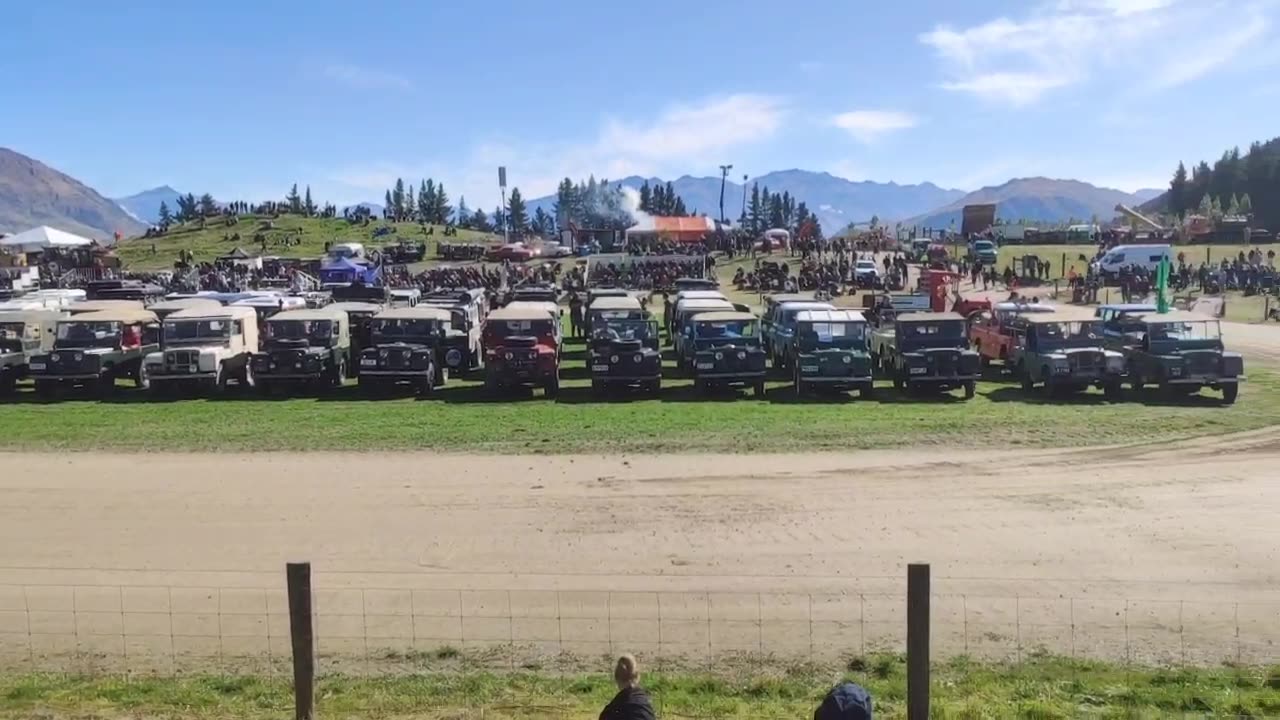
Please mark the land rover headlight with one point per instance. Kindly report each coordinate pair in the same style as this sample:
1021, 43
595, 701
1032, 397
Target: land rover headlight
637, 358
79, 356
613, 359
742, 354
719, 356
508, 356
847, 359
1115, 362
55, 357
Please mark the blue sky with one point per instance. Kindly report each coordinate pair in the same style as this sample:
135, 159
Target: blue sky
242, 98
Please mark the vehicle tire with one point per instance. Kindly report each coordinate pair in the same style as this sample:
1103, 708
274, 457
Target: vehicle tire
1135, 378
1028, 384
970, 388
899, 380
141, 378
759, 390
867, 392
552, 388
8, 383
46, 389
1229, 393
104, 386
654, 387
220, 381
1113, 391
426, 386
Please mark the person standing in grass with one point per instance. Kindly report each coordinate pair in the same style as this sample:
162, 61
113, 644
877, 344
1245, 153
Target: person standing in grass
631, 702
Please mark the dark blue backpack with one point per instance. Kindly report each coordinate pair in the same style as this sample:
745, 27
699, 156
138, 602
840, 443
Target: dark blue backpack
846, 701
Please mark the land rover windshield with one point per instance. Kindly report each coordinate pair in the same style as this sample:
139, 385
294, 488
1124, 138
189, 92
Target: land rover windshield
391, 329
87, 334
1067, 334
936, 330
196, 330
320, 330
1183, 331
719, 331
833, 335
502, 329
631, 329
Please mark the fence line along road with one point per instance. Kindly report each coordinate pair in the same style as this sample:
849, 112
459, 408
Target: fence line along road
175, 629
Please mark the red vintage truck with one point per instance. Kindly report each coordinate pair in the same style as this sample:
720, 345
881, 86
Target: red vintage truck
991, 331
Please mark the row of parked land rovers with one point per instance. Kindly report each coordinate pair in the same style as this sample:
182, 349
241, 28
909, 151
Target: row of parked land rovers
276, 342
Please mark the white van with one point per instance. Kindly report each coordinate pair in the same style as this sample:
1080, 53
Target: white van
1133, 256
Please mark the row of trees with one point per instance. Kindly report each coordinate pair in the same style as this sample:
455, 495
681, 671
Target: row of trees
662, 200
1235, 185
766, 210
430, 204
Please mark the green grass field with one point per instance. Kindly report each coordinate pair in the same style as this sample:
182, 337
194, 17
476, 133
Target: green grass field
1040, 688
208, 243
463, 417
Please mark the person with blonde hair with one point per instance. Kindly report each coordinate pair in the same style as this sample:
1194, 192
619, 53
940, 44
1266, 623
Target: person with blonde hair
631, 702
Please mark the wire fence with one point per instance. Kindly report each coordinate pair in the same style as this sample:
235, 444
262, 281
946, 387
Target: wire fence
169, 629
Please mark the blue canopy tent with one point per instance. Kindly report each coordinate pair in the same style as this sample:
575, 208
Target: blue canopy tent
345, 271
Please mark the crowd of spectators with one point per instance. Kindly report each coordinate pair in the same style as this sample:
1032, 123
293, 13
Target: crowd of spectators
656, 275
658, 246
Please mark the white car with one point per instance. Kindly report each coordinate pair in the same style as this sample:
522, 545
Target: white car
864, 268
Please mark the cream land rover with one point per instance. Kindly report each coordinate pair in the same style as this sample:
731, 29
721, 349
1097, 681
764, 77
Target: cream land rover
205, 347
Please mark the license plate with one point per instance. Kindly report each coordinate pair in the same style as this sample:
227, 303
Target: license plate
37, 366
599, 368
1175, 371
808, 368
368, 362
919, 371
706, 366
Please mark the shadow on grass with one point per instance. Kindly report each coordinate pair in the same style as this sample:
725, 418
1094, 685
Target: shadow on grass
1150, 397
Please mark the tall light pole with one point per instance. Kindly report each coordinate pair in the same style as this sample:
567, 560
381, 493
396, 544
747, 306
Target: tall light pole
744, 196
724, 175
506, 224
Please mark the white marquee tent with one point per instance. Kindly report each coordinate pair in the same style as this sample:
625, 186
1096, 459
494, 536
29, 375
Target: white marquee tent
43, 238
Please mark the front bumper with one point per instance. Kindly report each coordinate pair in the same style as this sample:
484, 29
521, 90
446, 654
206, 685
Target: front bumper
163, 376
42, 375
267, 377
606, 378
732, 376
828, 380
1203, 380
395, 373
942, 378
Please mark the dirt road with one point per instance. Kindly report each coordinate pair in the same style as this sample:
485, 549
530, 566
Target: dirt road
703, 553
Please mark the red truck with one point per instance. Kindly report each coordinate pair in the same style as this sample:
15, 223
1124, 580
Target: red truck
991, 331
522, 348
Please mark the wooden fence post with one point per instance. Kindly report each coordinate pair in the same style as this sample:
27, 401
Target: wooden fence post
918, 641
301, 631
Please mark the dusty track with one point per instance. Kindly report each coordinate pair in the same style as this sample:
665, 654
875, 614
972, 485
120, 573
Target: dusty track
1191, 521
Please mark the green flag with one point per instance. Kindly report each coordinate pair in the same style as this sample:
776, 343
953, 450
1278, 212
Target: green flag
1162, 286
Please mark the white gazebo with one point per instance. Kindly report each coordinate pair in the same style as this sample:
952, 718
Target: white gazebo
43, 238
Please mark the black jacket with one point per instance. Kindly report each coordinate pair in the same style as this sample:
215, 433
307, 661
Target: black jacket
629, 704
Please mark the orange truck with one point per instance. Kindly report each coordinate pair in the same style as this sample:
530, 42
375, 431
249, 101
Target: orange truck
992, 331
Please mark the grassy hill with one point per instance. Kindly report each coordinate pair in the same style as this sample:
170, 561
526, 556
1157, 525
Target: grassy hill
305, 237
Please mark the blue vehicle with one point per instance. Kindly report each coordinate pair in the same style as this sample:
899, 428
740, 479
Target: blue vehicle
984, 251
780, 325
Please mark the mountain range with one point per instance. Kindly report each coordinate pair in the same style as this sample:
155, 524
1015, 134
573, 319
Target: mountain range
145, 206
1037, 200
836, 201
32, 193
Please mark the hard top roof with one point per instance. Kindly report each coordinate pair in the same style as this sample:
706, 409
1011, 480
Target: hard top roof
927, 317
125, 315
522, 311
219, 311
350, 306
723, 316
1172, 316
26, 316
1063, 315
325, 313
615, 302
184, 303
86, 306
415, 313
789, 297
1023, 307
809, 305
699, 295
705, 304
822, 316
269, 301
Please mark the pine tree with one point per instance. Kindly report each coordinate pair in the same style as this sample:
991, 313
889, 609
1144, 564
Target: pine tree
499, 220
1178, 200
1206, 206
517, 213
1233, 207
294, 200
166, 218
387, 204
399, 201
480, 222
440, 207
646, 196
755, 210
1246, 205
776, 219
464, 213
541, 222
424, 202
308, 206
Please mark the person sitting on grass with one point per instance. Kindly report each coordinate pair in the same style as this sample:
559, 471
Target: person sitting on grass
846, 701
631, 702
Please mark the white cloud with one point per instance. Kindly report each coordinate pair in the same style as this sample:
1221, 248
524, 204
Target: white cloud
681, 138
870, 125
364, 78
1145, 44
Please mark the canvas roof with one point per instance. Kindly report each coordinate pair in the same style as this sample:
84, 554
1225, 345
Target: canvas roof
44, 237
722, 316
821, 316
415, 313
